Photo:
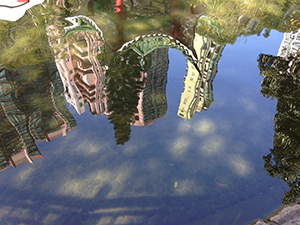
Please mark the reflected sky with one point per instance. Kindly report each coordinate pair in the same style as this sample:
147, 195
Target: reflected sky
215, 158
173, 171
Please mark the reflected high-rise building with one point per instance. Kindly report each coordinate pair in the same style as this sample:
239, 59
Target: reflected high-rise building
197, 94
80, 68
288, 50
32, 109
290, 44
152, 103
17, 145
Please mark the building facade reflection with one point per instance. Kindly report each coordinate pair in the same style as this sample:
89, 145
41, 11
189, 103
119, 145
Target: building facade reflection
80, 68
32, 109
85, 54
152, 103
197, 94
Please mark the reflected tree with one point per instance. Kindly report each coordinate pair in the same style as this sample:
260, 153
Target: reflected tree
224, 21
281, 81
25, 42
123, 86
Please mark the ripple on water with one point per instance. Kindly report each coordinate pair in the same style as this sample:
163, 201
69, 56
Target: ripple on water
10, 191
204, 127
28, 215
48, 169
78, 159
16, 213
149, 189
166, 177
138, 190
171, 202
209, 181
215, 192
128, 191
2, 188
241, 195
23, 195
41, 214
89, 192
129, 202
65, 219
179, 147
49, 158
51, 218
62, 164
207, 195
115, 187
231, 198
220, 203
155, 220
193, 215
155, 178
160, 189
163, 210
251, 192
204, 208
143, 202
173, 218
92, 157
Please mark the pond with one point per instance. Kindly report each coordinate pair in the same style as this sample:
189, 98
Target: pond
148, 112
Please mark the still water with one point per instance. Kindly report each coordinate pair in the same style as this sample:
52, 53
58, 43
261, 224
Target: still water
149, 160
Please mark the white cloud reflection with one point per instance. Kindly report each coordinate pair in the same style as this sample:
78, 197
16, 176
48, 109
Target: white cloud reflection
239, 165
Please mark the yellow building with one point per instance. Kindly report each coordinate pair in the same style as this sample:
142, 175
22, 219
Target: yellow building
197, 94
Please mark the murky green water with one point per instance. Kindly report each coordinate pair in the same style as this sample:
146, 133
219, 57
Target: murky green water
130, 143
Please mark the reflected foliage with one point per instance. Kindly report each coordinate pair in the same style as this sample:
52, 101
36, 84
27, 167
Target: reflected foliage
224, 21
25, 42
282, 82
123, 86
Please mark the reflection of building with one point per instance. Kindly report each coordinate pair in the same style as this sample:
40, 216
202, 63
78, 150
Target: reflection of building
289, 47
145, 44
80, 69
290, 44
31, 110
152, 100
197, 94
17, 145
